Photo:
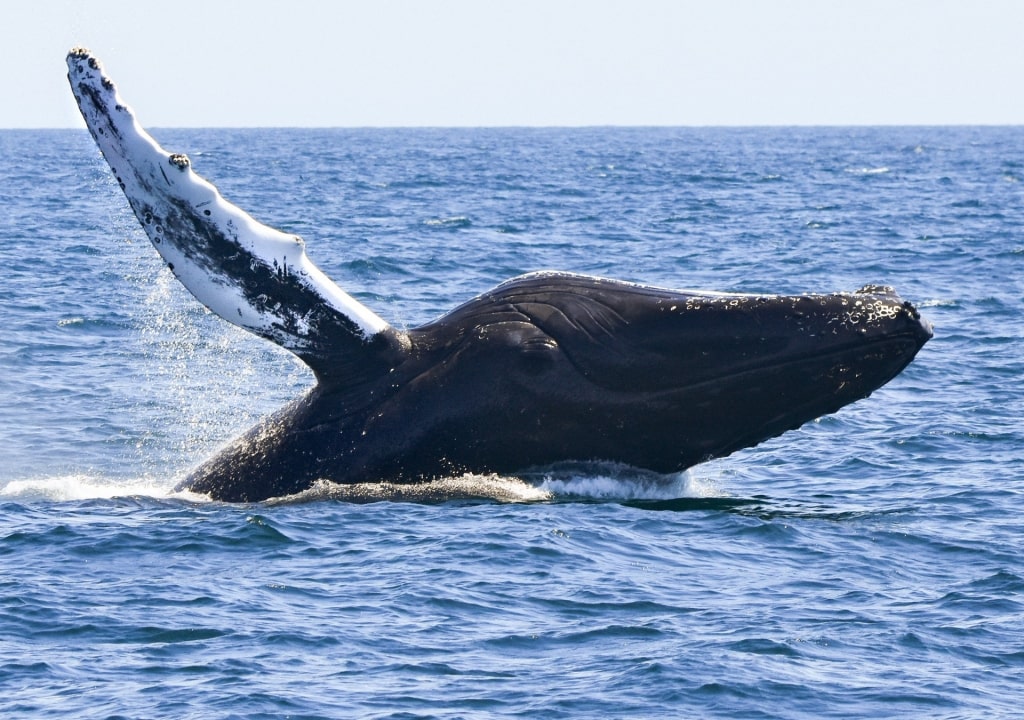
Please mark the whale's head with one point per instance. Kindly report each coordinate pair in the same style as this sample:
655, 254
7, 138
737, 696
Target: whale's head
553, 366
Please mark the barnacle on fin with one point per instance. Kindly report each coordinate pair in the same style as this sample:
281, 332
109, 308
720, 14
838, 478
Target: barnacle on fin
180, 161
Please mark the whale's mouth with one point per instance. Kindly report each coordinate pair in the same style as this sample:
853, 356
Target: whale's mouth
892, 353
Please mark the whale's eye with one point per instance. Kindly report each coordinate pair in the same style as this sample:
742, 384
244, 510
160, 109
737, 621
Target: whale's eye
537, 354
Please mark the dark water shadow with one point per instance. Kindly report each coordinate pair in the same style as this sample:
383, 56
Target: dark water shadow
690, 504
767, 508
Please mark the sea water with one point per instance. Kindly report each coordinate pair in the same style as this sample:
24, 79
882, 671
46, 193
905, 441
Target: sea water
867, 565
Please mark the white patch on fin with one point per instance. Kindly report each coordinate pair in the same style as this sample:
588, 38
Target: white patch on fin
181, 212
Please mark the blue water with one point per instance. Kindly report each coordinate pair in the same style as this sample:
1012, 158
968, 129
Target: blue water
867, 565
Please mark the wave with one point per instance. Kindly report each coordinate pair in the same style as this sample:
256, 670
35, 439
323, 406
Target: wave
573, 481
567, 482
613, 481
454, 222
868, 170
76, 487
463, 487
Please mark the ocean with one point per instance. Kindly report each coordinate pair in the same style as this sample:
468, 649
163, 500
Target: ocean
868, 564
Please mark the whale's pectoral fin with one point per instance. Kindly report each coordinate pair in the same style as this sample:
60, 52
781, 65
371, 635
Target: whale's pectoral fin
248, 273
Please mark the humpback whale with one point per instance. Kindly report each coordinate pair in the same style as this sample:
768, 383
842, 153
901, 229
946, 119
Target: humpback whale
543, 368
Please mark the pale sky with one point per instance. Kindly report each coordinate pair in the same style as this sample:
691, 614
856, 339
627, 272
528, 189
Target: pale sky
344, 63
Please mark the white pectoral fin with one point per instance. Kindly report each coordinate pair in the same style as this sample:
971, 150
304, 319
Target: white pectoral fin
248, 273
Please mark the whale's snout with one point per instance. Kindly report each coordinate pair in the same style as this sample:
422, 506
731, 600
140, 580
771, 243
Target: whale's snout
889, 305
924, 329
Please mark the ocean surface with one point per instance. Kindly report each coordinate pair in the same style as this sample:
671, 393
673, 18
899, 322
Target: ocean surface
870, 564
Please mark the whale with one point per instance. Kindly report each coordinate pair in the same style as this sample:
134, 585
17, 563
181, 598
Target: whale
545, 368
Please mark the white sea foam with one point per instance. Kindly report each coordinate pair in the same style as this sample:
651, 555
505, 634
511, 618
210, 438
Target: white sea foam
868, 170
66, 488
609, 481
595, 481
469, 486
938, 302
603, 483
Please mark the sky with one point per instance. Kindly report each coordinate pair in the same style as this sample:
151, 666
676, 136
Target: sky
454, 63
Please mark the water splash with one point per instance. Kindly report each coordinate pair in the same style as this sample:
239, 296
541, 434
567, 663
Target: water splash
568, 481
463, 487
605, 482
76, 487
612, 481
205, 380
